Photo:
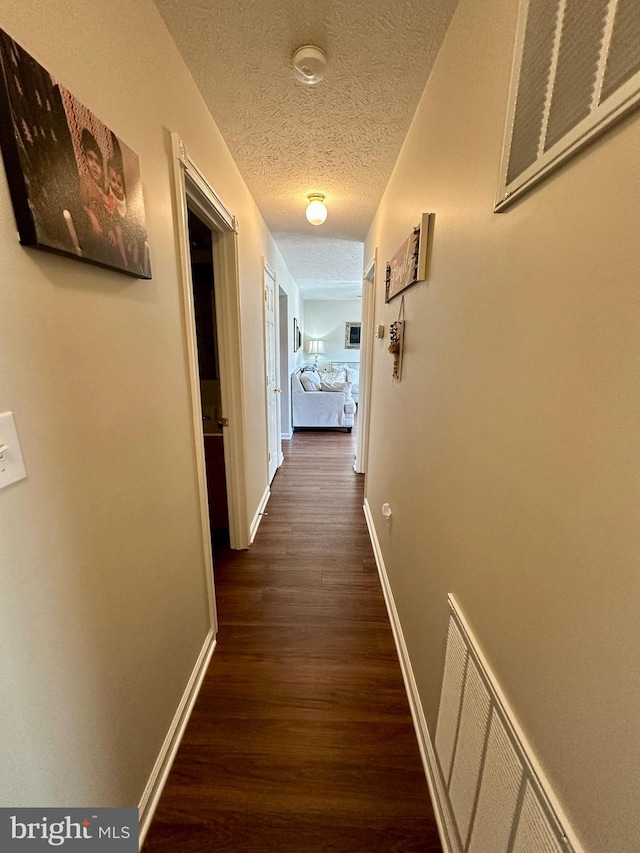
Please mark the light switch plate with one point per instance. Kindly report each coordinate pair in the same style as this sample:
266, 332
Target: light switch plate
11, 462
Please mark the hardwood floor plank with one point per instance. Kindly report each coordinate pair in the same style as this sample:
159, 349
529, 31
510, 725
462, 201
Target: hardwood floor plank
301, 738
270, 832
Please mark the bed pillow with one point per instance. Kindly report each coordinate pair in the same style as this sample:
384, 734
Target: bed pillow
336, 386
310, 381
353, 375
335, 376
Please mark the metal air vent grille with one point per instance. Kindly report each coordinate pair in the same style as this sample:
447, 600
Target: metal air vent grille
576, 70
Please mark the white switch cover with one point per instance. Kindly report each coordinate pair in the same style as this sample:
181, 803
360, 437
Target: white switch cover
11, 464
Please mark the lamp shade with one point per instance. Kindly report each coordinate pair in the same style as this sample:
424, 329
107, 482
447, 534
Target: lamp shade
316, 347
316, 209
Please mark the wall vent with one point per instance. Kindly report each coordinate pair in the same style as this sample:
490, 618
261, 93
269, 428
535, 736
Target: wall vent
498, 801
576, 70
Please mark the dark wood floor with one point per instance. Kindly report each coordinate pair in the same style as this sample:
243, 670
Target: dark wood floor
301, 739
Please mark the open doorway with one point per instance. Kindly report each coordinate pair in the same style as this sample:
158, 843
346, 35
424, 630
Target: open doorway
286, 430
204, 305
272, 371
366, 365
194, 193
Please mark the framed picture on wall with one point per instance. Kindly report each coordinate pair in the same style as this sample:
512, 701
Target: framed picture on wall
410, 262
352, 336
75, 186
296, 336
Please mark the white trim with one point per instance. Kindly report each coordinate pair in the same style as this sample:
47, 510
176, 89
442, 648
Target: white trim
225, 254
267, 270
507, 135
257, 518
444, 819
266, 266
208, 193
366, 364
184, 258
190, 183
167, 754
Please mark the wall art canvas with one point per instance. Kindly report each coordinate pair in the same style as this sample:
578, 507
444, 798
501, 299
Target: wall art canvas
75, 186
352, 336
409, 264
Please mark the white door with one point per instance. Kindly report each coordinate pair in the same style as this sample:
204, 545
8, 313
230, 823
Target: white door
271, 368
366, 365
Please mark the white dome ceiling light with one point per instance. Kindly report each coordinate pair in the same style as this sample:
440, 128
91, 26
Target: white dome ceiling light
316, 209
309, 64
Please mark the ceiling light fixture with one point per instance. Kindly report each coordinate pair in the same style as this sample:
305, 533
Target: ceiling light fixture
309, 64
316, 209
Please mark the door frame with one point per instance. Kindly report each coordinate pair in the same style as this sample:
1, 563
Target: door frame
268, 271
284, 377
192, 189
366, 364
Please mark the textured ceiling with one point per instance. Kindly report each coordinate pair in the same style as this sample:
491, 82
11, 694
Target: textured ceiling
340, 137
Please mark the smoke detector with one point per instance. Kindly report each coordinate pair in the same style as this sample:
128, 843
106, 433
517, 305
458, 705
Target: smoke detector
309, 64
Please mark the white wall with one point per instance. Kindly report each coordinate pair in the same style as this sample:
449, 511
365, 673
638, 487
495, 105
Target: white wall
325, 319
509, 452
103, 607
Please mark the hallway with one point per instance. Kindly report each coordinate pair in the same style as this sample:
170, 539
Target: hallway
301, 739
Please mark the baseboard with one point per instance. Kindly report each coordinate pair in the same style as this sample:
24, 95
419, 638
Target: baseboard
444, 819
257, 518
160, 772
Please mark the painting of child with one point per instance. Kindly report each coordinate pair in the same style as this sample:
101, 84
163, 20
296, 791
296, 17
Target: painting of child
75, 187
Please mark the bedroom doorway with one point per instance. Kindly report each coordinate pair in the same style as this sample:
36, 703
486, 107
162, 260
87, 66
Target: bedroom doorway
285, 379
366, 365
193, 194
204, 306
272, 372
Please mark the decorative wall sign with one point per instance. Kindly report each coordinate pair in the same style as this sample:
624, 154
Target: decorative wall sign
352, 336
396, 342
409, 264
75, 187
